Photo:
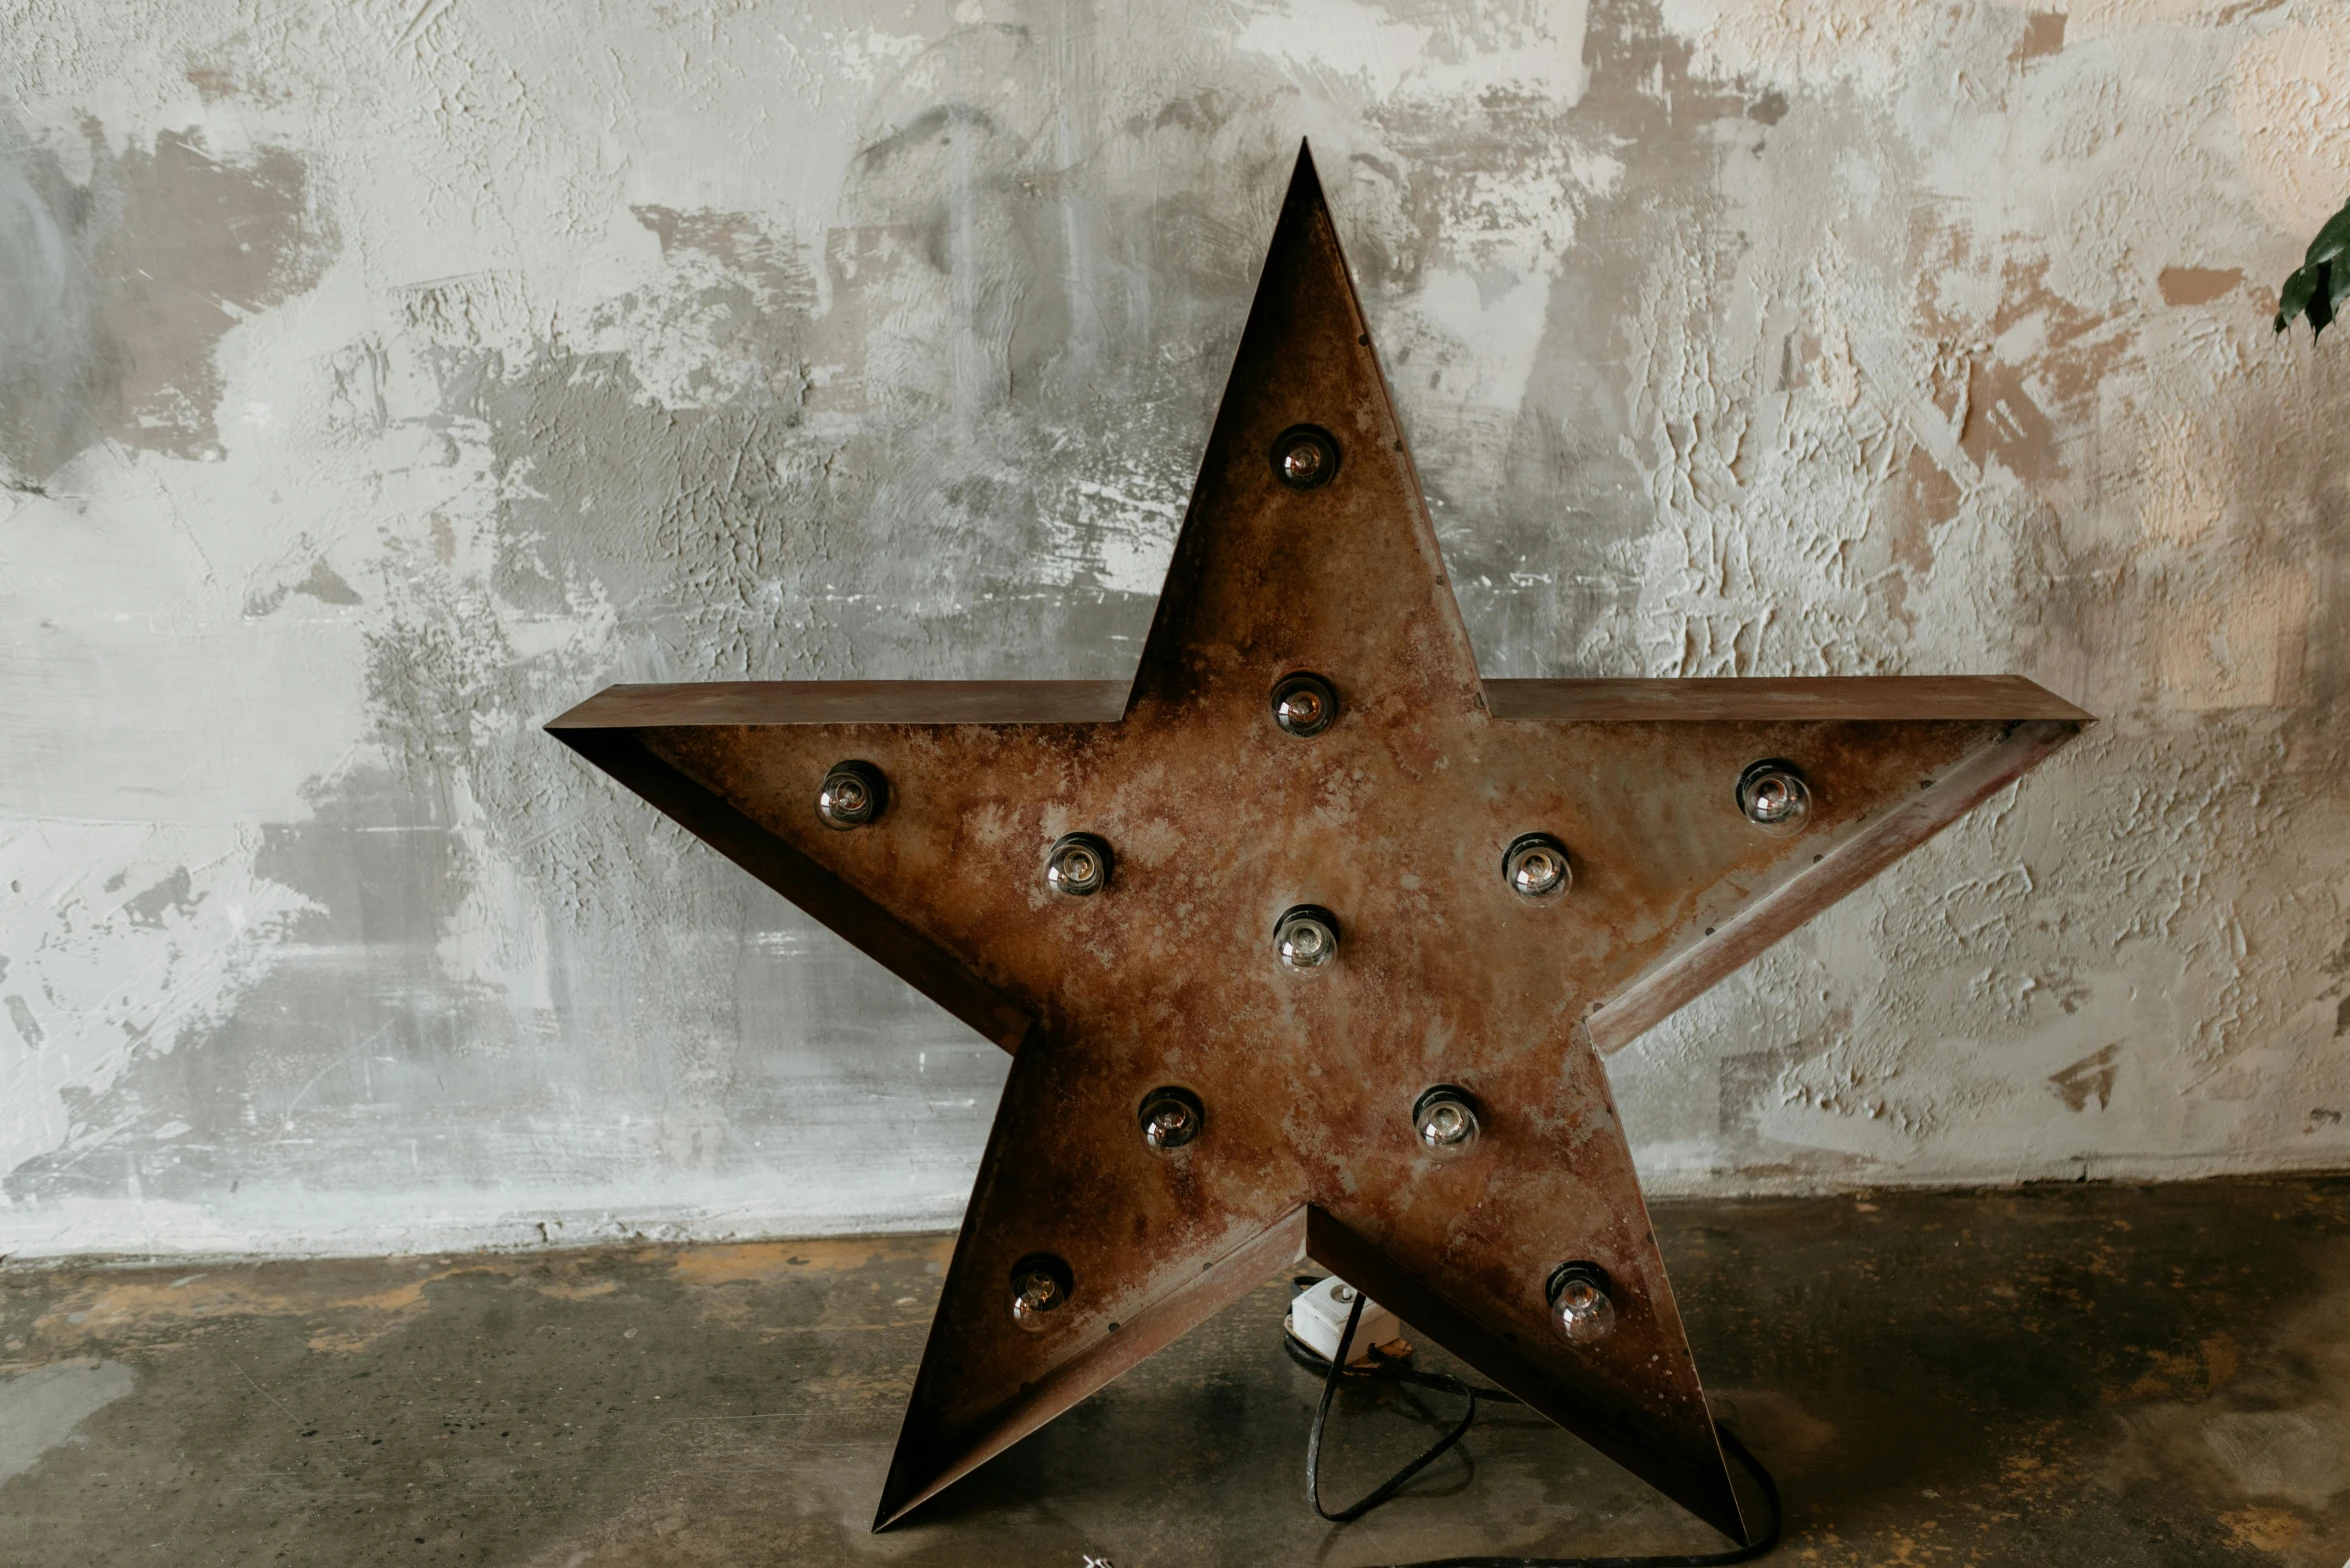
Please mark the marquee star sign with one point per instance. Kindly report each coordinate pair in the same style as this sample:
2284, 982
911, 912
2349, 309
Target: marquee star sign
1311, 941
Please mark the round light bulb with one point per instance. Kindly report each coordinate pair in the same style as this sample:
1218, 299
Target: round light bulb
1040, 1287
1305, 456
1079, 864
1579, 1303
1536, 866
1171, 1118
1304, 705
852, 796
1446, 1120
1306, 939
1774, 796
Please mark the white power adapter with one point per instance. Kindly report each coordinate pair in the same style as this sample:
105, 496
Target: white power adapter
1318, 1316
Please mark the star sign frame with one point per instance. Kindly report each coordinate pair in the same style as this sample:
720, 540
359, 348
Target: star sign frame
1220, 798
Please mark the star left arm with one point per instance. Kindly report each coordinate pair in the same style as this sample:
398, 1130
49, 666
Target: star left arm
945, 888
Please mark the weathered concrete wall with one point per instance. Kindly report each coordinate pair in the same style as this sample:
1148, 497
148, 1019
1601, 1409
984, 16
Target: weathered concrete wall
376, 380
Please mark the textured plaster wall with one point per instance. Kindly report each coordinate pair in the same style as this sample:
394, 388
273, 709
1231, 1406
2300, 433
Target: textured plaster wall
376, 380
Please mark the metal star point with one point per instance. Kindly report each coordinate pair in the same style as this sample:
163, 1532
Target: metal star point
1510, 879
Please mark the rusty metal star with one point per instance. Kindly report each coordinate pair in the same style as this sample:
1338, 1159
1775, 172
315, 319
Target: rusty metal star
1510, 879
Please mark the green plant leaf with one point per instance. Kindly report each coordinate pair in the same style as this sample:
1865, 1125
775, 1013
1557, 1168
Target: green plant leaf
2320, 287
2295, 296
2332, 240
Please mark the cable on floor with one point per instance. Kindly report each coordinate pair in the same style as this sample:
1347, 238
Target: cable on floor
1335, 1368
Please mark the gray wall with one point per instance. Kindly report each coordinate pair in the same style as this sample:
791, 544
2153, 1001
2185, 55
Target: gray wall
377, 380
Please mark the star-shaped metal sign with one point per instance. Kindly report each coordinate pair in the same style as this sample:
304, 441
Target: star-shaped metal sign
1311, 941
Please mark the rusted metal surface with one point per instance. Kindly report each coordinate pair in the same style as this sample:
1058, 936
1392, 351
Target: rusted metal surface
1396, 819
850, 702
1691, 969
1757, 698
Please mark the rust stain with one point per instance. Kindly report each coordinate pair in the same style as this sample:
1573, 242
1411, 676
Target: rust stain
723, 1272
352, 1304
113, 1312
2211, 1365
202, 243
2265, 1529
2061, 353
1933, 498
2002, 421
2197, 285
568, 1292
766, 1262
2089, 1078
2043, 35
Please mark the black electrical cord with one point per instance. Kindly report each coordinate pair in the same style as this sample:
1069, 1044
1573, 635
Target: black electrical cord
1335, 1368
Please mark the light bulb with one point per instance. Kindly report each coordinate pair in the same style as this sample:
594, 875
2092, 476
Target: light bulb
1306, 939
1774, 796
1171, 1118
1579, 1302
1536, 866
1446, 1120
1304, 457
1079, 864
1304, 705
1041, 1285
854, 793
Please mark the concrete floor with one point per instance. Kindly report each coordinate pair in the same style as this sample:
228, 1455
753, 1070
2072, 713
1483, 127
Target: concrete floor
2057, 1376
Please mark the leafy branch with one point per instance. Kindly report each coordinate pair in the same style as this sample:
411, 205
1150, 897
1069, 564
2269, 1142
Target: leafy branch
2321, 283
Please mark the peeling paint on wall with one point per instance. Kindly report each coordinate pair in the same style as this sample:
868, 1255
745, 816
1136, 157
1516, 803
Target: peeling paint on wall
375, 384
121, 285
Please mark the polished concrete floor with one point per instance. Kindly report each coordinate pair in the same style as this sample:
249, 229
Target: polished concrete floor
2053, 1376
